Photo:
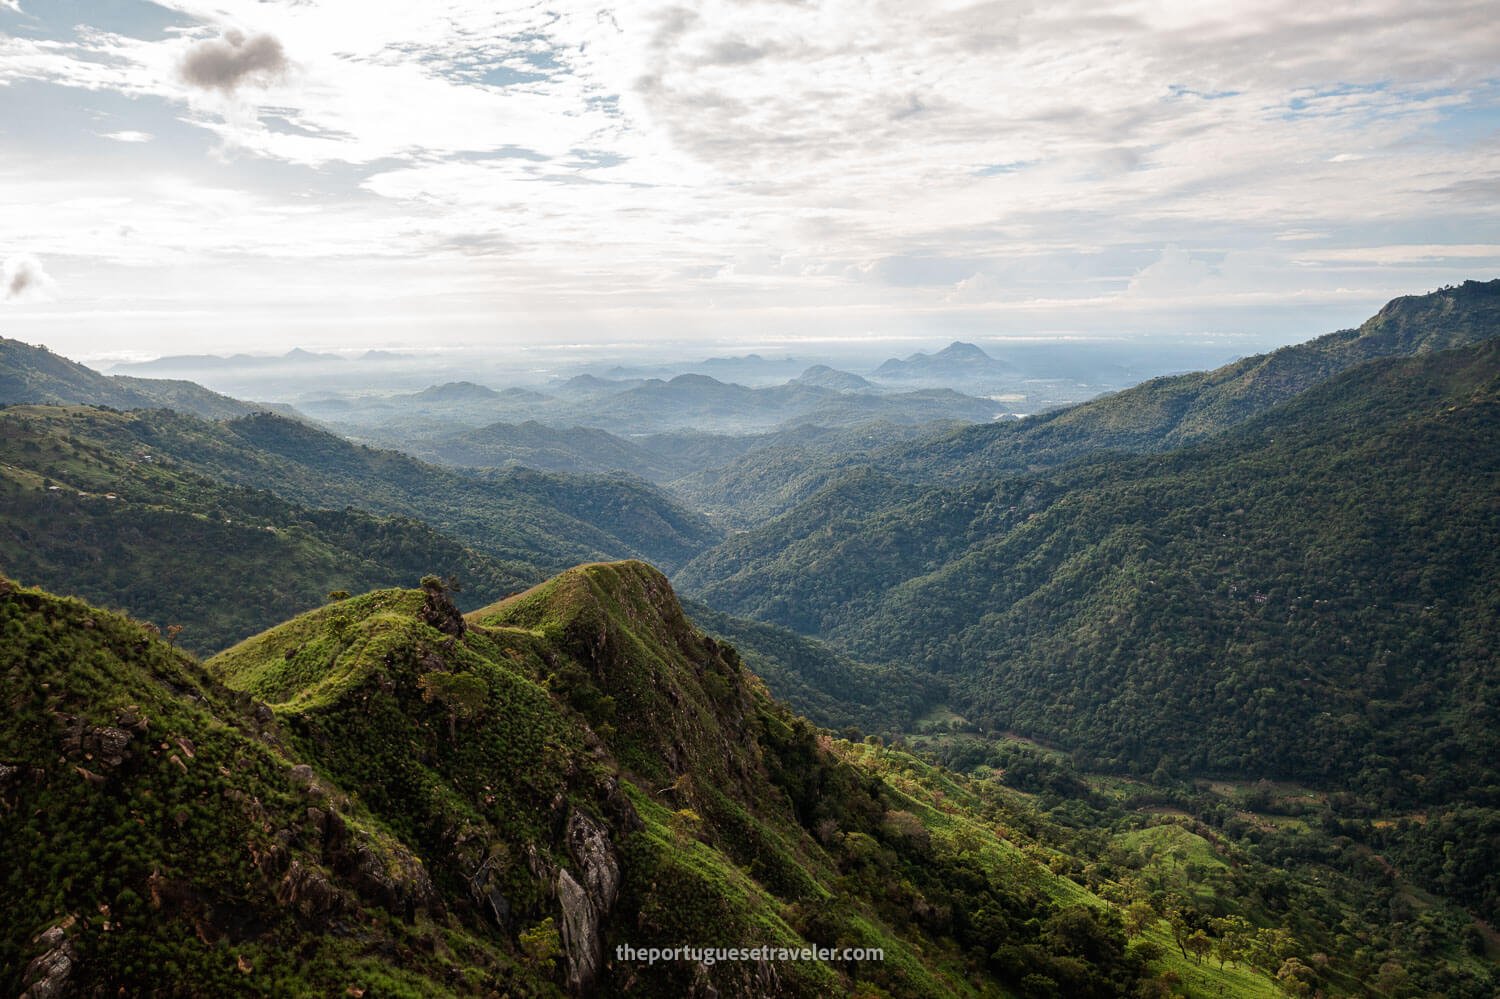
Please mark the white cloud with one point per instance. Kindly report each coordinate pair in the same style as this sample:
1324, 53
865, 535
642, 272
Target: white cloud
128, 135
1408, 254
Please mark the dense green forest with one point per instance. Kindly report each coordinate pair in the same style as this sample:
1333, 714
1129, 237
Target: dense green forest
831, 689
133, 530
206, 562
1282, 601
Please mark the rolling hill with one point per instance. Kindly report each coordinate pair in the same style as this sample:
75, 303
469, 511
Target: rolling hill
128, 529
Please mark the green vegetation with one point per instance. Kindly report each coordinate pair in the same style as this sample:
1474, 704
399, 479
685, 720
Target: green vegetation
1153, 417
381, 795
129, 529
829, 688
790, 467
1282, 602
1308, 596
1255, 643
519, 516
1178, 410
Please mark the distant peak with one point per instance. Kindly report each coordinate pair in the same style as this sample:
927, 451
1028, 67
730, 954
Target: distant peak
456, 391
299, 354
958, 350
693, 379
821, 375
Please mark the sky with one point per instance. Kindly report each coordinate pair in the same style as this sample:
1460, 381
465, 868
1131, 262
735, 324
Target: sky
199, 176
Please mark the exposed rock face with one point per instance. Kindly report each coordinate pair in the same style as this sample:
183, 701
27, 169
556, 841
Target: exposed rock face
48, 975
589, 845
585, 905
10, 777
439, 610
580, 933
108, 744
397, 880
307, 890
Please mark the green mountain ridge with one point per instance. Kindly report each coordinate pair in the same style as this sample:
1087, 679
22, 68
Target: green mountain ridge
83, 514
1154, 416
384, 797
1173, 411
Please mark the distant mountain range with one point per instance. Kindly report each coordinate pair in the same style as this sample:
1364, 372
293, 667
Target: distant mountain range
1169, 412
1282, 569
1159, 414
211, 362
690, 402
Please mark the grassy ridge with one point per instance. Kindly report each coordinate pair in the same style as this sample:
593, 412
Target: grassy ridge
375, 796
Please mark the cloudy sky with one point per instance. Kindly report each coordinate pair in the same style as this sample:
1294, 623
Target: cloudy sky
197, 175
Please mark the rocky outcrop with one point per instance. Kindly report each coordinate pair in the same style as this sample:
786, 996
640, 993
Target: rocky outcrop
308, 891
590, 847
580, 933
10, 779
108, 745
47, 976
586, 900
438, 610
391, 877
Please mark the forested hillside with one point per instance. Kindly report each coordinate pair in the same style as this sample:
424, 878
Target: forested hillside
547, 519
1170, 412
136, 531
1310, 596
